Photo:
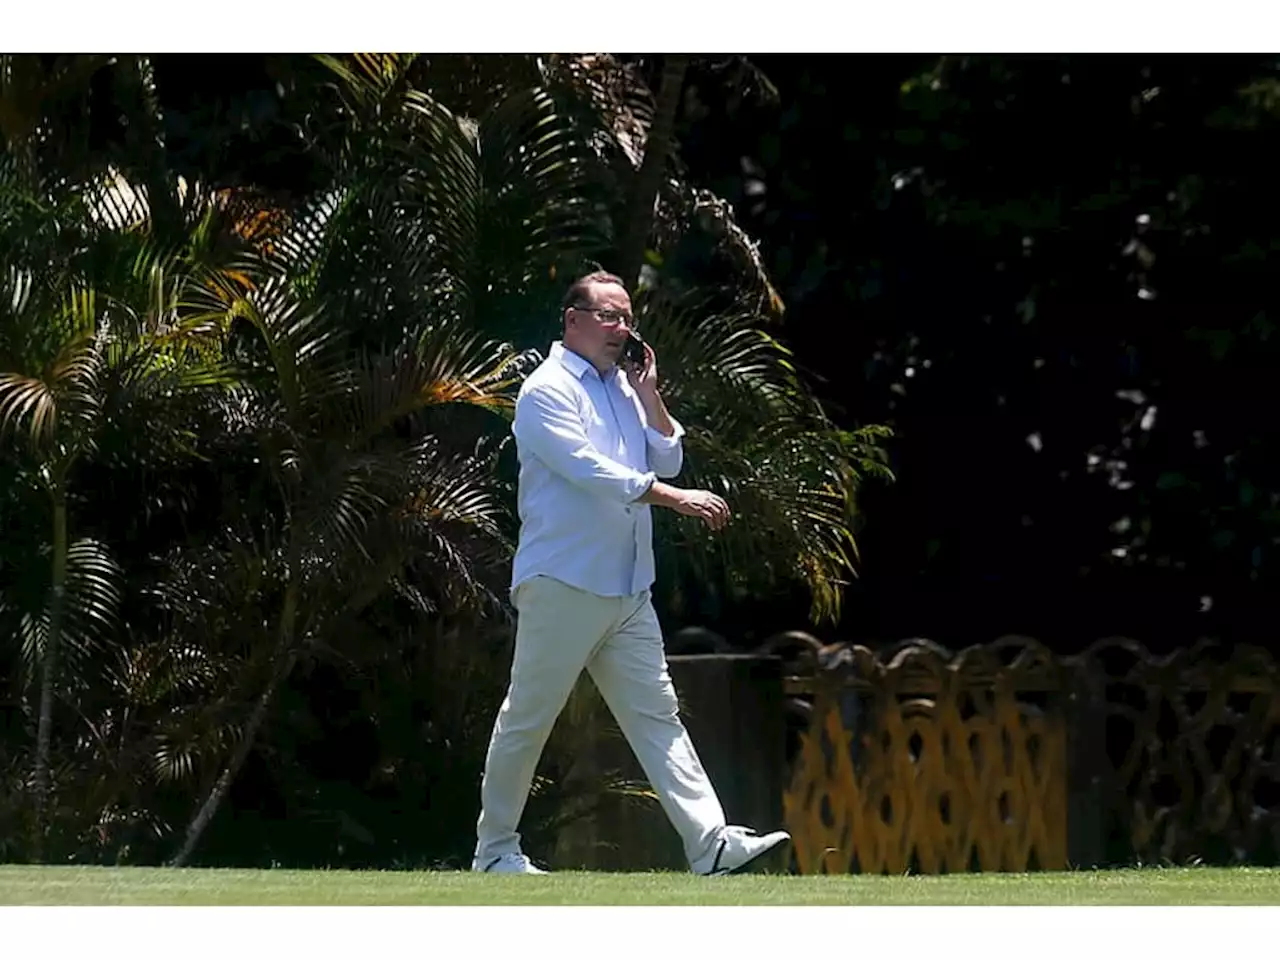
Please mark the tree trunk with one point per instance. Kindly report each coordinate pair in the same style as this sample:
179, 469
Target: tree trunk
49, 672
639, 223
287, 656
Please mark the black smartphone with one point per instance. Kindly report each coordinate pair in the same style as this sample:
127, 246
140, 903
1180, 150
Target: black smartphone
633, 352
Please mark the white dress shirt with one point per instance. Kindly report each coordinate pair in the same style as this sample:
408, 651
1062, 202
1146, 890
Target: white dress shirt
586, 454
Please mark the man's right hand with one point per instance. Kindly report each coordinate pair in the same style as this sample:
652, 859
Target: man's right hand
703, 504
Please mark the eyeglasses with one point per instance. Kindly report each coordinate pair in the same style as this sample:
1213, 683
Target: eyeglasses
611, 316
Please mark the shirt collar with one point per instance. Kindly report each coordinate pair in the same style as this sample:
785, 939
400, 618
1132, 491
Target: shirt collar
576, 364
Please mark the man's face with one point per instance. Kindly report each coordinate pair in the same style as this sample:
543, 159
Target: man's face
598, 330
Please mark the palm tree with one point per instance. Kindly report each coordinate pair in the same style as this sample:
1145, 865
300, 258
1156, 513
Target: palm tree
585, 168
333, 386
372, 484
310, 401
88, 329
648, 179
354, 505
758, 437
707, 303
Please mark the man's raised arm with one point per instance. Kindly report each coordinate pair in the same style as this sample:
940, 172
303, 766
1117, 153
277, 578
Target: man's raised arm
664, 435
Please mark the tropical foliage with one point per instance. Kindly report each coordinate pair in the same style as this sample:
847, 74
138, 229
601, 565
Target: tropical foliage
257, 481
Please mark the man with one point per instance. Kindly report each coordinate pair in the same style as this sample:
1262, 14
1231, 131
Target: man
592, 443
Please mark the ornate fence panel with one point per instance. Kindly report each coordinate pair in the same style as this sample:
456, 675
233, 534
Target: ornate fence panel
1006, 757
1188, 751
919, 760
999, 757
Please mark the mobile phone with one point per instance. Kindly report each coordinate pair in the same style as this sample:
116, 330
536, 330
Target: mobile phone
633, 352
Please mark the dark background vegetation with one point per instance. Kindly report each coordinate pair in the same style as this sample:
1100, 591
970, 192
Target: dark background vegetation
1052, 276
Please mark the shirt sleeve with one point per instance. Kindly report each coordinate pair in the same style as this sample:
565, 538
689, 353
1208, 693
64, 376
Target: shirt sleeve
666, 454
548, 425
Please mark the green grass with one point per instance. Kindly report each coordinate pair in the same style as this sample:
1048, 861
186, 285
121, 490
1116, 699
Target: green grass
87, 886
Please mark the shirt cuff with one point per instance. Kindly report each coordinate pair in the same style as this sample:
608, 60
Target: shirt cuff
663, 442
647, 480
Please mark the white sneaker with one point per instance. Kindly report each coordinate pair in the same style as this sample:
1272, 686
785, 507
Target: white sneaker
507, 863
736, 849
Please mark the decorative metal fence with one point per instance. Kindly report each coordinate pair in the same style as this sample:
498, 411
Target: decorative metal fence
1006, 756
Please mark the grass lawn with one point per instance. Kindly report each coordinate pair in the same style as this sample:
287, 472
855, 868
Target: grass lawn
89, 886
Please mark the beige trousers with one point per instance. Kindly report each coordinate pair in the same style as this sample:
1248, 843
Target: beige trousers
561, 630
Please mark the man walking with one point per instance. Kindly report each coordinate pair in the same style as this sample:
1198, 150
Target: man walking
593, 442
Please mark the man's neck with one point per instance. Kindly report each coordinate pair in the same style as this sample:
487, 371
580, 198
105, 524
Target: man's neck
603, 371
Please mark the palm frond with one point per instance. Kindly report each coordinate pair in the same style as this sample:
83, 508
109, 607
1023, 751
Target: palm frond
757, 436
440, 519
344, 499
305, 344
455, 488
92, 595
368, 78
61, 396
510, 204
615, 93
114, 204
718, 358
157, 395
685, 211
156, 672
166, 255
307, 235
445, 364
535, 170
195, 743
456, 516
446, 193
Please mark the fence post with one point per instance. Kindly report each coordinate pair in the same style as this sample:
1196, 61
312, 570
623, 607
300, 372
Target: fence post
1087, 766
733, 707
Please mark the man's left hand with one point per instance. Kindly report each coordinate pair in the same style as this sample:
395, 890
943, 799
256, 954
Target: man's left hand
644, 380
